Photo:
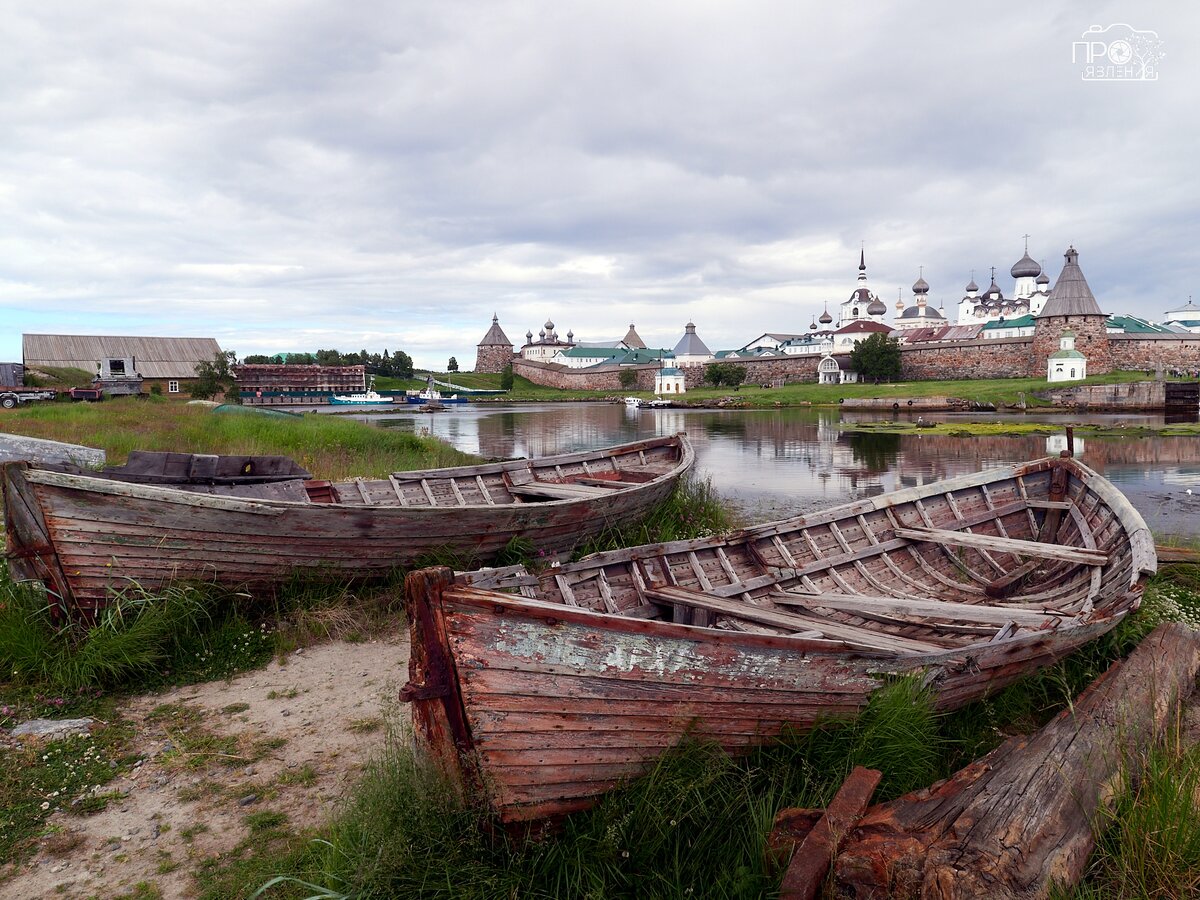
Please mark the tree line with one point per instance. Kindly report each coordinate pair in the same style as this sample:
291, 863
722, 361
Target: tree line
397, 365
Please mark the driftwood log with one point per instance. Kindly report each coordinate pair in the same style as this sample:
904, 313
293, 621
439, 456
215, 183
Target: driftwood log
1020, 820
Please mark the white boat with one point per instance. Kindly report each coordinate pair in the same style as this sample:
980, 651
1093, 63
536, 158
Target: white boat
633, 402
367, 398
431, 395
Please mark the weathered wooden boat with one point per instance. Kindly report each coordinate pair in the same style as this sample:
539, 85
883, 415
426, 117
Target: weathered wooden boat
85, 533
538, 691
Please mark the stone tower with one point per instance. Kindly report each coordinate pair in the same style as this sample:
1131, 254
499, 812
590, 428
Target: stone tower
495, 351
1071, 307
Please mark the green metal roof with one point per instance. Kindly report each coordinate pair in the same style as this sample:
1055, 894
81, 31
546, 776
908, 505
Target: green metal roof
1067, 354
1025, 321
1134, 325
593, 352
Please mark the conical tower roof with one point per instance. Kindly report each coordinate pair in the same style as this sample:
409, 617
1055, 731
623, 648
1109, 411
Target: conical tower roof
495, 336
632, 341
690, 344
1071, 295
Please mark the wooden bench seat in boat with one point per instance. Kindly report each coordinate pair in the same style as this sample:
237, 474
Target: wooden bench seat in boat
897, 606
840, 631
1004, 545
558, 491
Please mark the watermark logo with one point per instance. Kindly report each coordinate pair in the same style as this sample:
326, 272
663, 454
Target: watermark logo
1118, 53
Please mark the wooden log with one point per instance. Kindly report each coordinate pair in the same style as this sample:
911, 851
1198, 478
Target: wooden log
1177, 555
810, 863
1021, 820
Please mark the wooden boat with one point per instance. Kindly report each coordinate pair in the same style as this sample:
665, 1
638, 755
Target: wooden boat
541, 690
85, 534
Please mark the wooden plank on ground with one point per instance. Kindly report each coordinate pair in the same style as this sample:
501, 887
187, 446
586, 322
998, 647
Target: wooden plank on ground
1004, 545
812, 859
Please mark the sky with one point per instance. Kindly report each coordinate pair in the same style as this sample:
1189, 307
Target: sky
289, 176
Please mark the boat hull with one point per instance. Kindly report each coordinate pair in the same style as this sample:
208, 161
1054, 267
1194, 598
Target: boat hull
540, 702
86, 536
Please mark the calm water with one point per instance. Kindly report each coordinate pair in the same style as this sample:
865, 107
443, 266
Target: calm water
772, 463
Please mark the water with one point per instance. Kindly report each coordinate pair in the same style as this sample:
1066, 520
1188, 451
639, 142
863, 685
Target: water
773, 463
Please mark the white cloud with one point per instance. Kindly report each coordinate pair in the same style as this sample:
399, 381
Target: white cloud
283, 176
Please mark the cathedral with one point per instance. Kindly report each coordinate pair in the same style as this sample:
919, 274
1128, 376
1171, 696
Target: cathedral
1031, 289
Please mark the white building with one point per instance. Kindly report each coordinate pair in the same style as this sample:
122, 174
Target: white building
772, 340
1031, 290
848, 336
669, 381
836, 370
1186, 316
1066, 363
809, 345
920, 314
862, 305
547, 344
691, 351
581, 356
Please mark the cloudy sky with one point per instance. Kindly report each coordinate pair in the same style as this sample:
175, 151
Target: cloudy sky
298, 175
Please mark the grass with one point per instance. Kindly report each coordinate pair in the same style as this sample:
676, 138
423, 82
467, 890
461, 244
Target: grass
1150, 846
694, 509
330, 447
1000, 391
955, 428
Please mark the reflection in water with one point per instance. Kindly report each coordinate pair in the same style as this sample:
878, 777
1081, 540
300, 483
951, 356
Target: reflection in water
773, 463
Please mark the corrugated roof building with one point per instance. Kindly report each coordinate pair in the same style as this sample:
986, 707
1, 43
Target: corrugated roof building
159, 360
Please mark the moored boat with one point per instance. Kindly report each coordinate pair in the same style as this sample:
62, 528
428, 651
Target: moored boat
85, 533
366, 398
538, 691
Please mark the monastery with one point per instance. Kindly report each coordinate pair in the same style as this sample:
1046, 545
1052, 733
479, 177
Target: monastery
1038, 331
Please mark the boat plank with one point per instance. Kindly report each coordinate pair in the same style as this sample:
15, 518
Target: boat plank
1008, 545
942, 609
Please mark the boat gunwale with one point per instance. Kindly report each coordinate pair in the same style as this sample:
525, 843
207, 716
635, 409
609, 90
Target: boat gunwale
553, 613
266, 506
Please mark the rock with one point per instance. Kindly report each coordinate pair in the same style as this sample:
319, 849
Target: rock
54, 729
249, 770
286, 712
248, 799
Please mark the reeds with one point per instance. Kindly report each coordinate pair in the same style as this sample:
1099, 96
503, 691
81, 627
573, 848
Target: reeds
330, 447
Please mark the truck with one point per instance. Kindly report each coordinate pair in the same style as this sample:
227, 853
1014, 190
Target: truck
11, 396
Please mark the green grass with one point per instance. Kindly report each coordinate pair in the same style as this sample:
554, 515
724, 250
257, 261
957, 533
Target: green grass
59, 377
1001, 391
330, 447
692, 510
1151, 842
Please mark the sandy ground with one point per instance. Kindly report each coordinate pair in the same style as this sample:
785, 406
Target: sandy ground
324, 713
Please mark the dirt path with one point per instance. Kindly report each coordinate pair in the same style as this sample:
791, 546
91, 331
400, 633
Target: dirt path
287, 739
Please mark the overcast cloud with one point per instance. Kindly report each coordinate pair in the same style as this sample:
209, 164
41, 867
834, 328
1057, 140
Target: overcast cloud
295, 175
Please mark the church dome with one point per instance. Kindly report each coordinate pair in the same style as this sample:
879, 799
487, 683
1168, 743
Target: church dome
1043, 278
972, 286
549, 326
825, 318
1025, 267
920, 286
861, 295
876, 308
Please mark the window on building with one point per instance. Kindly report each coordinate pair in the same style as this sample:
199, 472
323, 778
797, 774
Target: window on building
116, 366
1072, 373
172, 387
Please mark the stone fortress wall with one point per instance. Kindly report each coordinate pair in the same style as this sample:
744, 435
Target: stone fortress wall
960, 361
